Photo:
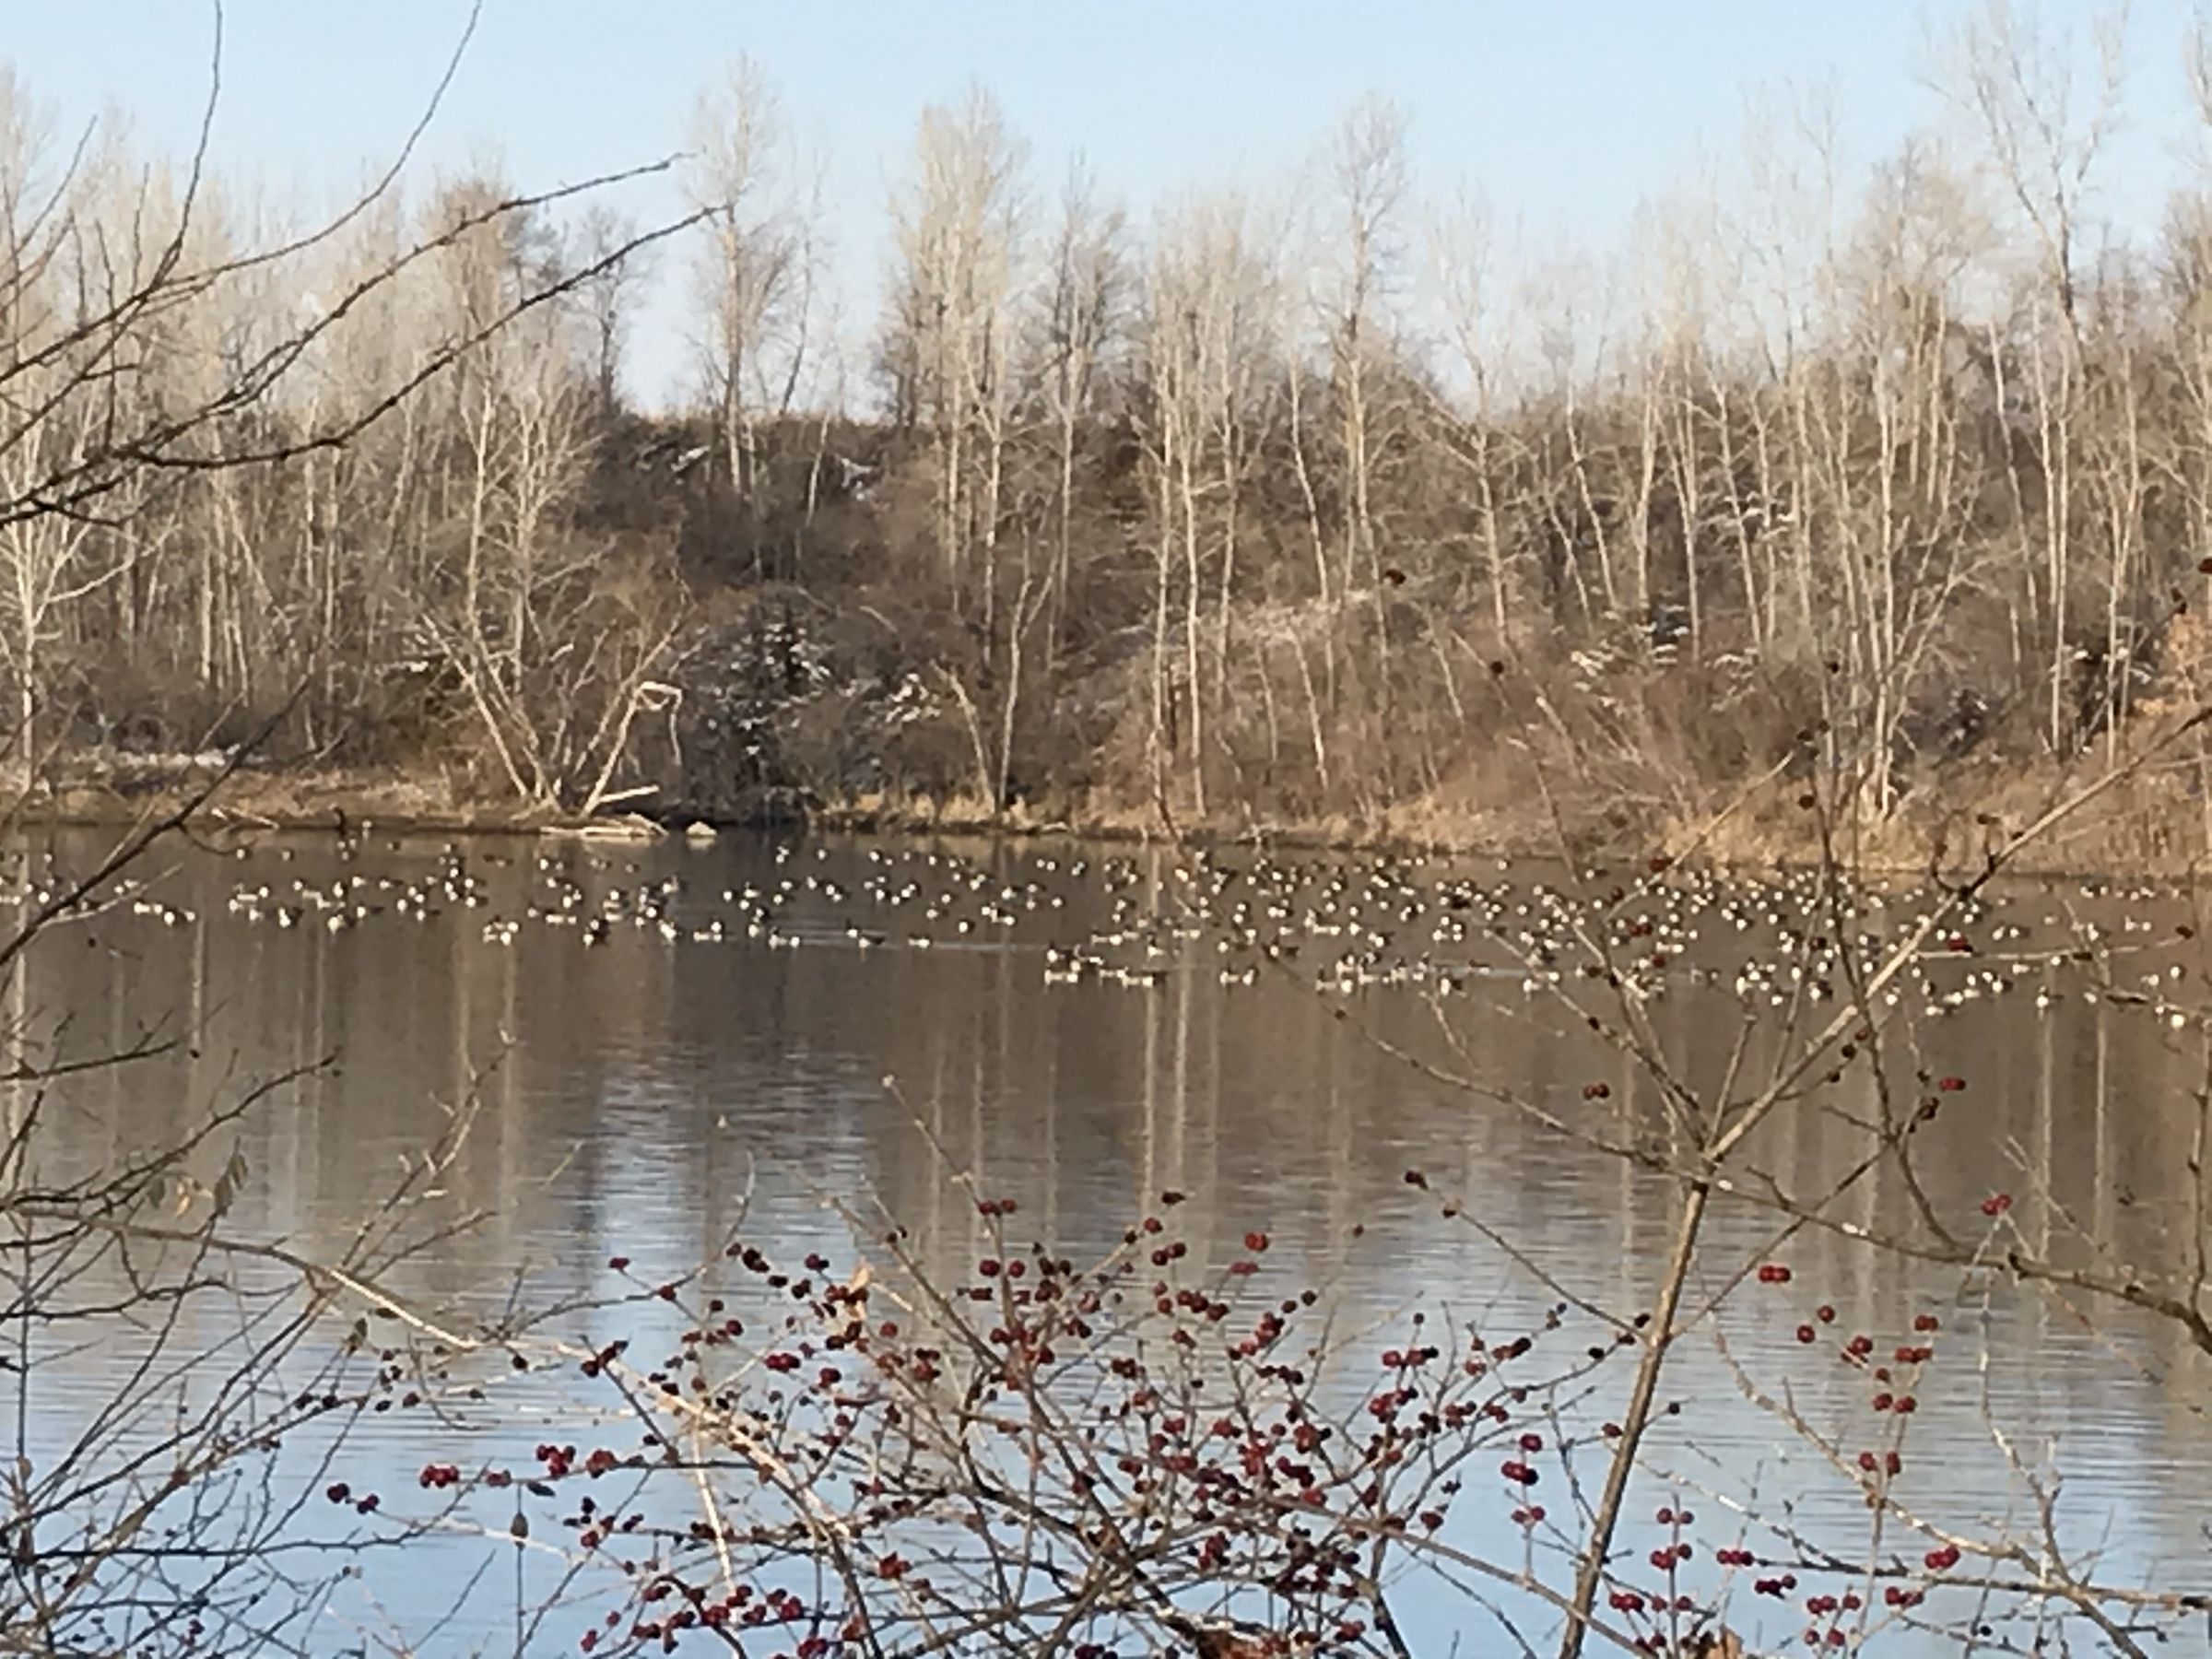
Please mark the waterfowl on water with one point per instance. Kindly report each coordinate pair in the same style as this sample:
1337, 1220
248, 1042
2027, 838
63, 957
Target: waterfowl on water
1247, 919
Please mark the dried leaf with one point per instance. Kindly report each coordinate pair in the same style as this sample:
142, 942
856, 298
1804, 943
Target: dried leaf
226, 1186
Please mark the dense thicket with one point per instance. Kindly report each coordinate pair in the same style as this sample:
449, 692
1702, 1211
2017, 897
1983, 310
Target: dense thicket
1288, 508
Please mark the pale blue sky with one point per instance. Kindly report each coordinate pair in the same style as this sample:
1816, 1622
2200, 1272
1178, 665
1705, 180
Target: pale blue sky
1564, 113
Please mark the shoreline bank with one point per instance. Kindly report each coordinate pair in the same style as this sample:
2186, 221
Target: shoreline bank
2148, 824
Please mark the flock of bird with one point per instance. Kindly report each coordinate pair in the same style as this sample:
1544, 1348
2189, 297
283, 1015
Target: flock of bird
1437, 927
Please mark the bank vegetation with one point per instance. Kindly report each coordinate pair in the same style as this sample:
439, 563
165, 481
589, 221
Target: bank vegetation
1315, 509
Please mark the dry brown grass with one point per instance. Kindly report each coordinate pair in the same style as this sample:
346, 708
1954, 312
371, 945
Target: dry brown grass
391, 797
2153, 820
1505, 804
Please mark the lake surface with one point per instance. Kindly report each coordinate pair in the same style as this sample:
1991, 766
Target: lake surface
658, 1057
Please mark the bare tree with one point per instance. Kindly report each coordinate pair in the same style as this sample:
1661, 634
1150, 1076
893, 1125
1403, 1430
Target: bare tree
1082, 318
749, 267
172, 389
952, 333
1211, 325
1368, 188
2046, 111
609, 297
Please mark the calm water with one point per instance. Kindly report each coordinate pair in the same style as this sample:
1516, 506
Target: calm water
640, 1095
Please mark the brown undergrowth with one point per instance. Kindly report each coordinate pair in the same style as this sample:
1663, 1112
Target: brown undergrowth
2153, 821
